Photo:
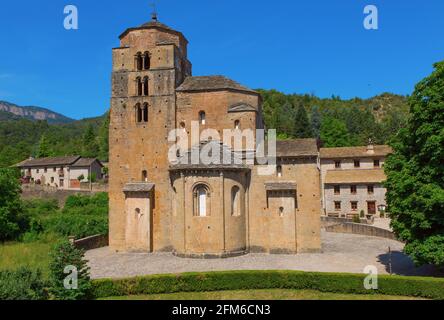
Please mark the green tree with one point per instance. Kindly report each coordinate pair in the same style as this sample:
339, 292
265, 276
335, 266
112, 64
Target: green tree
90, 146
13, 218
302, 126
65, 255
44, 148
316, 121
415, 173
104, 139
334, 133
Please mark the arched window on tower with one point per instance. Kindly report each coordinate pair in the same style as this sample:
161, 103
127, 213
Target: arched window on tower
202, 118
235, 202
139, 115
145, 112
279, 171
201, 201
145, 86
145, 176
146, 61
138, 61
237, 125
139, 86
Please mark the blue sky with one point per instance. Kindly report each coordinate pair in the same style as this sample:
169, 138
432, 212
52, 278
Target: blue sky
316, 46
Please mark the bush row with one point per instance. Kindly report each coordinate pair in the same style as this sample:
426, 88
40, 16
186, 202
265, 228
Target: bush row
22, 284
432, 288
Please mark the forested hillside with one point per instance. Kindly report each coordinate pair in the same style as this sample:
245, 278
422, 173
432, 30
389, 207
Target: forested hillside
336, 122
21, 138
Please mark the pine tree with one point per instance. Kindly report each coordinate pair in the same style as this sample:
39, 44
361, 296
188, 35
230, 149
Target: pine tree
316, 121
302, 126
90, 146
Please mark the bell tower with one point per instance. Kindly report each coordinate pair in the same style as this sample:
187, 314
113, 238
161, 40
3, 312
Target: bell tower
148, 66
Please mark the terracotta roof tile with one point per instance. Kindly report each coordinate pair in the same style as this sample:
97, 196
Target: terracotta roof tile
54, 161
353, 152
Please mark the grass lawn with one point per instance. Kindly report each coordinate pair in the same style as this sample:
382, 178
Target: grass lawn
32, 254
271, 294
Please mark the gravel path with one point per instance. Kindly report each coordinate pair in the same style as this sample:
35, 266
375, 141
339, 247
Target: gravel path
341, 253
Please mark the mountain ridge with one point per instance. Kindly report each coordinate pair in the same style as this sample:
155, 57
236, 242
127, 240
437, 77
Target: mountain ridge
33, 113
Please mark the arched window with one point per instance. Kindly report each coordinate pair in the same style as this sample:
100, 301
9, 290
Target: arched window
183, 127
237, 125
235, 202
145, 176
138, 61
145, 112
202, 117
201, 201
146, 61
139, 86
145, 86
139, 115
279, 171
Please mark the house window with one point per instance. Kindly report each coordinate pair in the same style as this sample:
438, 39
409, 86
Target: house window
357, 164
202, 118
376, 164
38, 170
337, 190
54, 169
338, 164
353, 189
337, 205
201, 201
235, 202
354, 205
46, 170
370, 189
279, 171
52, 179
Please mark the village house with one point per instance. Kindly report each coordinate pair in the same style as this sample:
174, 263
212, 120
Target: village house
60, 172
352, 180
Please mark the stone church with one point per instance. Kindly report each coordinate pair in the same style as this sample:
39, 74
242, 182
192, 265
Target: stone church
196, 209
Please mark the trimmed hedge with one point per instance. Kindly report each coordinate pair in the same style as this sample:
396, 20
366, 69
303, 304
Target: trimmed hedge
432, 288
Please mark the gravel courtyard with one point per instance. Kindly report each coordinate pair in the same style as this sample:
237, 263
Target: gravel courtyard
341, 253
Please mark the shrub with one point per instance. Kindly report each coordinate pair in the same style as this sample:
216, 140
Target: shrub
356, 219
76, 225
245, 280
38, 207
96, 204
22, 284
64, 255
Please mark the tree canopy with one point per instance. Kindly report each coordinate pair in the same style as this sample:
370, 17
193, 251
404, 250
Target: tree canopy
415, 171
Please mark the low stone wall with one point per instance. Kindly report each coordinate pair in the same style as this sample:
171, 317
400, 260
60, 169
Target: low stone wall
331, 221
32, 191
362, 229
90, 243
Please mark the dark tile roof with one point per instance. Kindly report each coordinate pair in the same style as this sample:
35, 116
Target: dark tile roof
43, 162
226, 158
241, 107
85, 162
296, 148
353, 152
138, 187
211, 83
154, 24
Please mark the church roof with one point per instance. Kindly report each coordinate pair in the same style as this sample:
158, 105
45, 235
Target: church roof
241, 107
154, 24
138, 187
295, 148
219, 156
211, 83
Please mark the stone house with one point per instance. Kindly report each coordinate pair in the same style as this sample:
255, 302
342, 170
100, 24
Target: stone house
352, 180
223, 207
60, 172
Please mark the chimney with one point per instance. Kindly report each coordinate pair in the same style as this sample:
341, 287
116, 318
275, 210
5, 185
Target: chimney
370, 147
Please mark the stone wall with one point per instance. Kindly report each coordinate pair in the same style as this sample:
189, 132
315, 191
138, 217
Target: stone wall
90, 243
356, 228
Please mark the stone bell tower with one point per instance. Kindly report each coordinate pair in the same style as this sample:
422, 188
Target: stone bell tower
148, 66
